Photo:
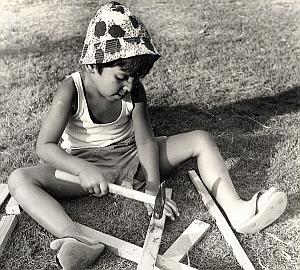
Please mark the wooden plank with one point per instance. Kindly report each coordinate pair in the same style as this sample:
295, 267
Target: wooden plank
7, 225
12, 207
130, 251
187, 240
3, 193
221, 222
112, 188
152, 240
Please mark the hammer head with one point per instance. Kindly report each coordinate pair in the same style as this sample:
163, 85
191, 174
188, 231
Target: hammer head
160, 201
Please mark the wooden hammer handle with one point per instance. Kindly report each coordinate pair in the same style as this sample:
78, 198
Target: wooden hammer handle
112, 188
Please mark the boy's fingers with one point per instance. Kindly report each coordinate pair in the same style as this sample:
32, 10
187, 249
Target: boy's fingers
104, 188
173, 206
169, 209
171, 203
97, 189
168, 212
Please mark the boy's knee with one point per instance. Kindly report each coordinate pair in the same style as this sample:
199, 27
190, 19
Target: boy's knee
16, 180
202, 140
201, 136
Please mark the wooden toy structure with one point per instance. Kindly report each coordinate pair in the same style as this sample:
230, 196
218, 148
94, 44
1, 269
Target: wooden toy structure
147, 257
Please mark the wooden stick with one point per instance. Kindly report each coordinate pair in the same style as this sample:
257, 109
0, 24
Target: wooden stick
130, 251
187, 240
115, 189
3, 193
152, 240
221, 222
12, 207
7, 225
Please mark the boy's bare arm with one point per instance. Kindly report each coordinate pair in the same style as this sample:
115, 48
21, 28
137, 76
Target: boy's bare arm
145, 141
52, 129
148, 150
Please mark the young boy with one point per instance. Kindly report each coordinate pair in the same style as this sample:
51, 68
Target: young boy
101, 115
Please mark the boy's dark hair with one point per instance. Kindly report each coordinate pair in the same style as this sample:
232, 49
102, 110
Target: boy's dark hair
136, 66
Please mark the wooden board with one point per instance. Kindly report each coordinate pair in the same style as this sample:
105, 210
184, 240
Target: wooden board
130, 251
152, 240
187, 240
222, 223
3, 193
12, 207
7, 225
112, 188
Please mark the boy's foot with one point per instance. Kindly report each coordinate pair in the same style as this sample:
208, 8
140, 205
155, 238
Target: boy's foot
75, 255
264, 208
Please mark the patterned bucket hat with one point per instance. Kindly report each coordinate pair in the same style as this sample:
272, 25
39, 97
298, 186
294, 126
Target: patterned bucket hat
115, 33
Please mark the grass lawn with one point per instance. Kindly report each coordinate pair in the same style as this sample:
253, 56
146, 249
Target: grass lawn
228, 67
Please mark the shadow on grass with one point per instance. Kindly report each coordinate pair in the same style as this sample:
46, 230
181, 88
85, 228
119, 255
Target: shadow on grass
233, 125
41, 44
246, 115
294, 206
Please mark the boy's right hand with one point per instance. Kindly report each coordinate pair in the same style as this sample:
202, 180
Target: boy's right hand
92, 180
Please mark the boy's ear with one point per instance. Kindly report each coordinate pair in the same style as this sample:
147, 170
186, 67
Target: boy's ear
91, 68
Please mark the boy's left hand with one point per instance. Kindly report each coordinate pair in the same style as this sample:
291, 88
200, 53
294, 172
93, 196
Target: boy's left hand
170, 208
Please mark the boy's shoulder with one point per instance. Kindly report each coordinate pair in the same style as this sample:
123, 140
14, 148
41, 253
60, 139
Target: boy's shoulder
68, 83
67, 88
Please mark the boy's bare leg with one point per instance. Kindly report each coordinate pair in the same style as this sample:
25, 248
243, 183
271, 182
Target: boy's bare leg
199, 144
34, 187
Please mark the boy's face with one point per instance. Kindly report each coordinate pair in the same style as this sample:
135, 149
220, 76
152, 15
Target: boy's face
113, 83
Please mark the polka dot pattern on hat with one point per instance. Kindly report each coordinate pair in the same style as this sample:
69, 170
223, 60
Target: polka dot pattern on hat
114, 33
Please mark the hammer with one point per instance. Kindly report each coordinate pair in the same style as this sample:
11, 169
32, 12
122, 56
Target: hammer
158, 201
